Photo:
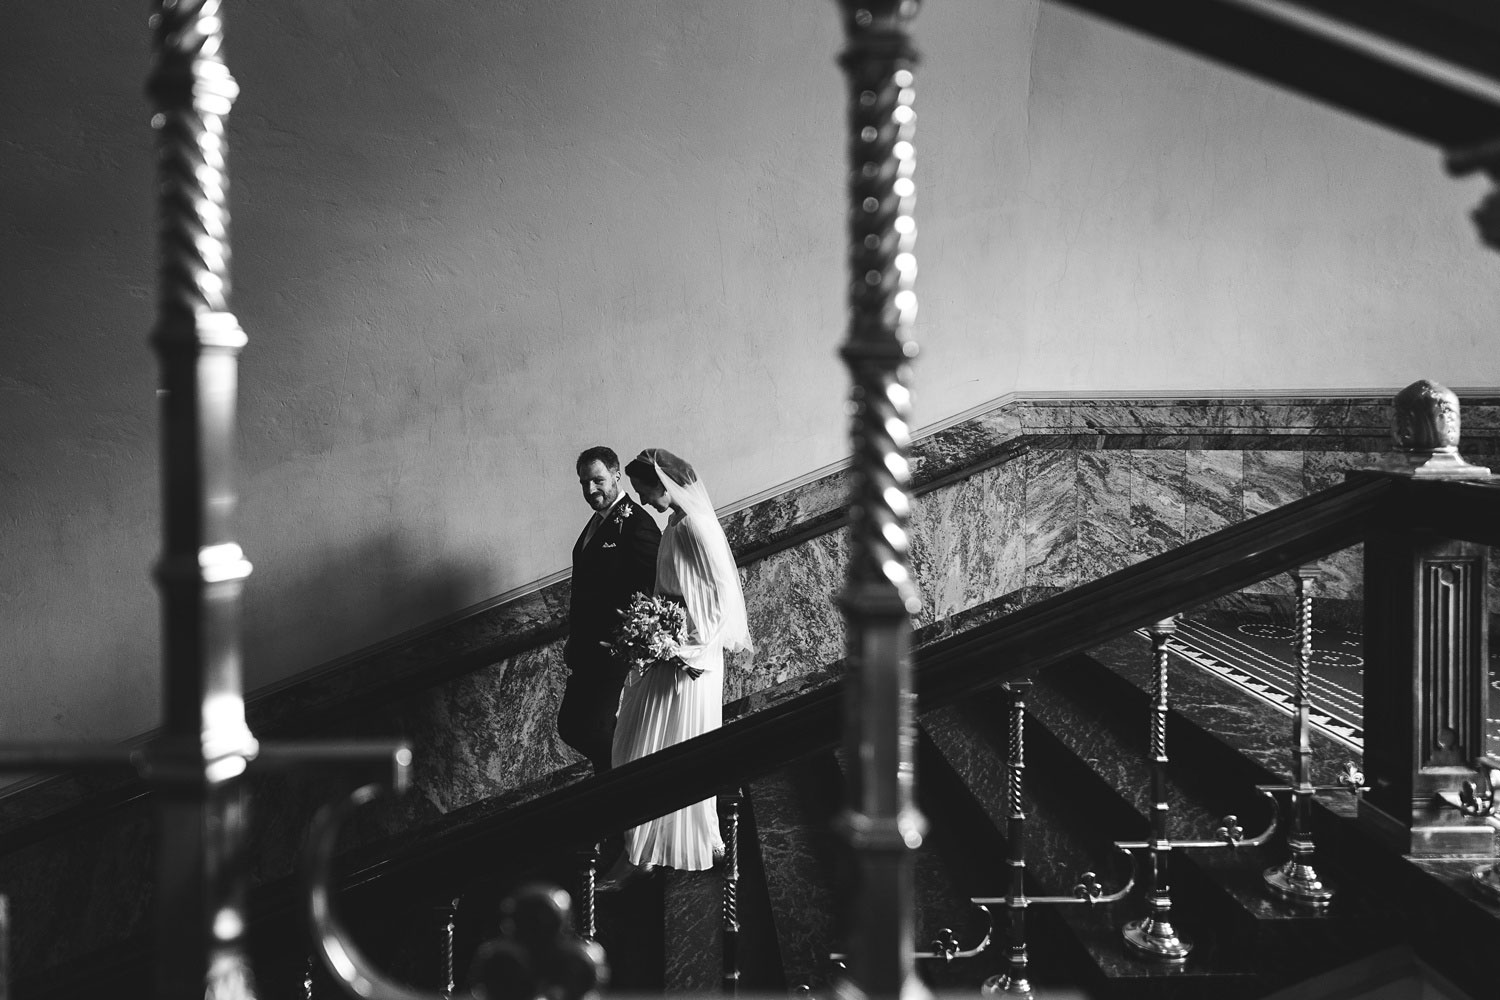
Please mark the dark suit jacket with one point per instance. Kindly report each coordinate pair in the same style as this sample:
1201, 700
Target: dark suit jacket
618, 562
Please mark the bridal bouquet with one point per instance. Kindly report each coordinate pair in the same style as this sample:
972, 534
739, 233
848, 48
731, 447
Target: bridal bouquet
651, 630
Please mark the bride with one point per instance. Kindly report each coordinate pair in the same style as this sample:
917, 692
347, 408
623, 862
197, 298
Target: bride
667, 704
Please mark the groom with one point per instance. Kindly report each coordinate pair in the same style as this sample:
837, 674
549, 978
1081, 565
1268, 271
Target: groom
614, 559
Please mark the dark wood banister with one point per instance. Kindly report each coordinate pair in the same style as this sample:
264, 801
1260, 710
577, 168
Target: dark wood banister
949, 668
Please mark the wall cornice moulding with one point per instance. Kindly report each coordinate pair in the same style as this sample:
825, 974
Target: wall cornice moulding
1147, 396
1279, 396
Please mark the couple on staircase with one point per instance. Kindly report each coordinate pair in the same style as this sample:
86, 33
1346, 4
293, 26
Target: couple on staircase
614, 713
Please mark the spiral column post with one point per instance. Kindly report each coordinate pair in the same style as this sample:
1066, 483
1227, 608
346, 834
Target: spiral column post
1297, 880
447, 914
1154, 936
588, 897
883, 825
205, 744
198, 765
732, 802
1014, 981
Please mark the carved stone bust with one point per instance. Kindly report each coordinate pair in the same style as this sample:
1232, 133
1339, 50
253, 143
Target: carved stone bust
1425, 426
1426, 418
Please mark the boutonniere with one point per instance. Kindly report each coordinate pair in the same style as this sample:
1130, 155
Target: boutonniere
621, 515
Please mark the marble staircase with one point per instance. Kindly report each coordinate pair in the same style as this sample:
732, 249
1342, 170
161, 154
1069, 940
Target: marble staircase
1087, 787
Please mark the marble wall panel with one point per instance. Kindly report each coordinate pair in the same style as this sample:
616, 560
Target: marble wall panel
1324, 469
795, 623
958, 445
489, 731
1045, 415
1272, 478
692, 909
797, 882
774, 517
1050, 518
1158, 501
1214, 488
98, 871
1105, 530
967, 543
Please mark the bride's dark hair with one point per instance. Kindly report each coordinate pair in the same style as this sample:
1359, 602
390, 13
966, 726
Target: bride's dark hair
643, 467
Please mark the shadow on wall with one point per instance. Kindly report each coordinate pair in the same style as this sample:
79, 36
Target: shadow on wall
346, 599
490, 729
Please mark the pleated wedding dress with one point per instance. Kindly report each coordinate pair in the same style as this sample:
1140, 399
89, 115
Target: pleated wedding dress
662, 705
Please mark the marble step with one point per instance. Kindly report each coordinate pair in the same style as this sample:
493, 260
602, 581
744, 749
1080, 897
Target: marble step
664, 932
961, 782
1431, 905
631, 925
695, 921
808, 869
1070, 828
793, 811
1063, 834
1080, 734
1111, 971
692, 931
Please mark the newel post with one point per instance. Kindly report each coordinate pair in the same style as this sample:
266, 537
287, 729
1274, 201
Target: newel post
882, 824
1426, 652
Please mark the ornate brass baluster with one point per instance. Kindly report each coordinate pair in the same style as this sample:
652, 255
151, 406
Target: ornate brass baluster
4, 947
206, 743
1013, 982
1154, 936
447, 914
732, 801
198, 765
588, 928
883, 824
1297, 879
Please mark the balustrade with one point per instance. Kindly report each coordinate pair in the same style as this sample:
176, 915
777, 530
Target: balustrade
1431, 789
1298, 879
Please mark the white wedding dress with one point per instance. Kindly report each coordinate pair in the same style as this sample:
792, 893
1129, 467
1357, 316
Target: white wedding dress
662, 706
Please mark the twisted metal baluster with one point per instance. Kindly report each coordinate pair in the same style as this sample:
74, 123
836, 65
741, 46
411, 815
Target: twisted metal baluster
883, 824
206, 743
587, 912
1297, 879
1153, 935
1013, 982
447, 912
731, 983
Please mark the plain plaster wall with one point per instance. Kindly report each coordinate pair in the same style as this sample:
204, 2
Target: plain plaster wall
474, 238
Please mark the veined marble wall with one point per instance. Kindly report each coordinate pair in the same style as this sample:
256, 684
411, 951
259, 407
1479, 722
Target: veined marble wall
1017, 501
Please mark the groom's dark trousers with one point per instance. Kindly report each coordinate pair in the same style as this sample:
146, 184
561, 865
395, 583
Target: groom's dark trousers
610, 566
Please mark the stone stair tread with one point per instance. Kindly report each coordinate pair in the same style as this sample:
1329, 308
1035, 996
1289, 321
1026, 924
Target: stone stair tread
1208, 971
1106, 723
971, 740
1200, 699
797, 857
944, 880
693, 909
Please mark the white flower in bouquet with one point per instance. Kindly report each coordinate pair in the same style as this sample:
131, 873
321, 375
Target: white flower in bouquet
652, 630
